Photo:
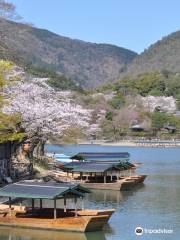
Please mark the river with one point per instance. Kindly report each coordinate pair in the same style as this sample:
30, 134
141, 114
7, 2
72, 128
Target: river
155, 205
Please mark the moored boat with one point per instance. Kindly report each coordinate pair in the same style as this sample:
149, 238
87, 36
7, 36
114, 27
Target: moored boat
78, 220
60, 157
123, 184
106, 175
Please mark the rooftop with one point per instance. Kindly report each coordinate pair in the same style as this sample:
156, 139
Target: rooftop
102, 156
40, 190
96, 167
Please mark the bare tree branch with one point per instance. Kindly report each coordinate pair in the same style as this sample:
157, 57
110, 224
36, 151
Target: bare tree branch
8, 11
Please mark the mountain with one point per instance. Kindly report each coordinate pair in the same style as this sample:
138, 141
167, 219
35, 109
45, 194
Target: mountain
163, 55
88, 64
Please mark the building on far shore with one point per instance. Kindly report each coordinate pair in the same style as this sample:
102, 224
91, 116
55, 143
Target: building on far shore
136, 128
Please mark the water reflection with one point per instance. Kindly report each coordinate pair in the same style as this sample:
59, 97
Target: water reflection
26, 234
116, 197
96, 199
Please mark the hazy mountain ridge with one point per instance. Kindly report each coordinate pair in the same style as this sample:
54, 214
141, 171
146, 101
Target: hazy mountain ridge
89, 64
163, 55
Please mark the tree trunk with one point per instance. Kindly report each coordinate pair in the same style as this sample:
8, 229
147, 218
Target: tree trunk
23, 154
39, 149
20, 162
20, 153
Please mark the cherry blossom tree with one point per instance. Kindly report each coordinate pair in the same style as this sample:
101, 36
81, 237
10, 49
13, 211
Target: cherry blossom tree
44, 112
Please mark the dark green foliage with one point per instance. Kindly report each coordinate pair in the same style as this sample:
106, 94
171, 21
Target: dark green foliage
173, 86
163, 56
109, 116
156, 84
56, 81
178, 101
159, 120
61, 82
117, 101
144, 84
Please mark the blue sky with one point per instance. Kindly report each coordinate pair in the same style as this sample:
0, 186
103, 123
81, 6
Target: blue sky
133, 24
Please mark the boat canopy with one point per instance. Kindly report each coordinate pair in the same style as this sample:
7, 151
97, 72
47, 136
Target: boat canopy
40, 190
102, 156
96, 167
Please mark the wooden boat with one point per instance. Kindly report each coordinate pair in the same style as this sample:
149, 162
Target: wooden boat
123, 184
93, 212
132, 182
50, 218
106, 175
45, 220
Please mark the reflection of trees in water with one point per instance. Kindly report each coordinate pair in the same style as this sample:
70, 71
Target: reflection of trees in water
165, 193
26, 234
106, 196
109, 230
111, 196
95, 236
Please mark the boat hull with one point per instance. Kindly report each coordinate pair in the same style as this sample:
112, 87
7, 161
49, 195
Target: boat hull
127, 183
91, 220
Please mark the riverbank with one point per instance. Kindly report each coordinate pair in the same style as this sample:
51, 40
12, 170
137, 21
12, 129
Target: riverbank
135, 143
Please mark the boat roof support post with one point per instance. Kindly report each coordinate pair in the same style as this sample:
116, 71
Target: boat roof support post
75, 201
111, 176
40, 203
55, 210
104, 177
32, 204
81, 176
65, 206
95, 176
10, 205
9, 202
20, 204
82, 203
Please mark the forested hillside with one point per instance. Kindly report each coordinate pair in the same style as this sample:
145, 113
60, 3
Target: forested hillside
163, 55
87, 64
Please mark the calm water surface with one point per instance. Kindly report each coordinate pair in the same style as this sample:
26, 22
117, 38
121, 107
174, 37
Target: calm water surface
155, 205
